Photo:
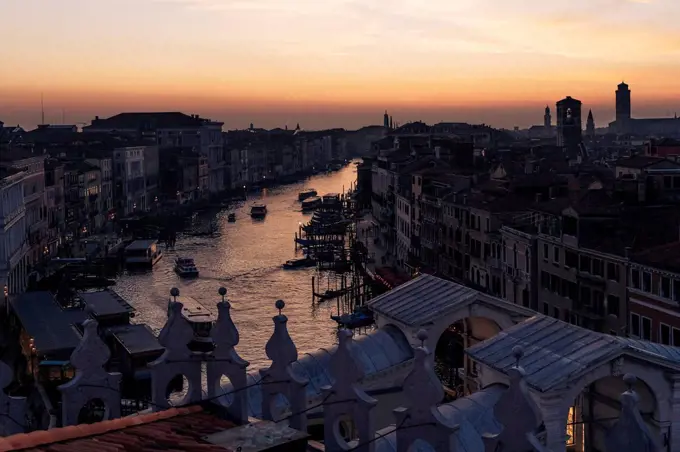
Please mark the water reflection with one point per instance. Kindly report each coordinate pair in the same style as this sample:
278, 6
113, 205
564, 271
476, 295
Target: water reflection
246, 258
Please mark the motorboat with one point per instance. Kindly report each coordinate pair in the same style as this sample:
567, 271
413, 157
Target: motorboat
258, 210
302, 262
201, 321
310, 192
311, 203
185, 267
231, 218
143, 253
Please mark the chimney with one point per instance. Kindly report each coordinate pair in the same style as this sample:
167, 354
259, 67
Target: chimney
96, 118
538, 197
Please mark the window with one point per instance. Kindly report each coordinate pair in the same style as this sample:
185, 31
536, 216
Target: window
612, 271
556, 313
571, 426
488, 225
665, 287
634, 325
598, 267
647, 282
646, 328
613, 305
585, 296
546, 309
665, 334
676, 290
675, 336
527, 266
556, 255
546, 252
570, 259
635, 278
584, 264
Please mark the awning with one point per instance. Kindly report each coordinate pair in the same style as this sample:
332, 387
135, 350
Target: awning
390, 277
53, 363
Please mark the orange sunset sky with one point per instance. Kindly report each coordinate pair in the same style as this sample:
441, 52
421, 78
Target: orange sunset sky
335, 63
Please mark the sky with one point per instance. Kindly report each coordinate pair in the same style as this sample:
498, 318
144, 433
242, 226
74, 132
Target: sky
335, 63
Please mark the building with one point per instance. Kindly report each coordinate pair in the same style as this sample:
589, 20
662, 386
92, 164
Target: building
54, 202
623, 110
169, 130
665, 147
590, 126
648, 179
14, 247
647, 127
569, 124
654, 294
82, 190
185, 175
129, 180
107, 205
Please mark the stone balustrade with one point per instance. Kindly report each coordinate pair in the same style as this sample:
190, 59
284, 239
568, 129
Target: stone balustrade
346, 407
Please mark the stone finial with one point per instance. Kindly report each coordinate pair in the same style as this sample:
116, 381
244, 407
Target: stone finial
177, 360
225, 361
517, 412
92, 381
345, 398
421, 420
630, 432
12, 409
280, 378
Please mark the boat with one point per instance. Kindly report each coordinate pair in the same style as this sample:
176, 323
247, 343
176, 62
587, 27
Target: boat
201, 321
357, 319
143, 253
329, 294
310, 192
231, 218
185, 267
302, 262
258, 210
311, 203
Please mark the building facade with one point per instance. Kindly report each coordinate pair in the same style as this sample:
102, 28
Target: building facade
14, 247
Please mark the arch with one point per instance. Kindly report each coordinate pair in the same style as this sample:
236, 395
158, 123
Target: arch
650, 381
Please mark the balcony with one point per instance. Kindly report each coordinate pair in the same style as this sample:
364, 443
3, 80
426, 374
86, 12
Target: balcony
591, 280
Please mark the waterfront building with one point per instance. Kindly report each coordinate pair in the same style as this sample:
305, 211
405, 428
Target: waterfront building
14, 247
185, 175
173, 129
82, 190
129, 180
104, 161
55, 204
24, 159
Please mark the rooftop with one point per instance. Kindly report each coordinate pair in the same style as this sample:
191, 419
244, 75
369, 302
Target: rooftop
148, 121
173, 429
663, 257
556, 352
422, 300
106, 302
51, 327
136, 339
645, 161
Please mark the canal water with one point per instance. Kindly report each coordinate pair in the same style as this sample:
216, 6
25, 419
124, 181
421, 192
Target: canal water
246, 259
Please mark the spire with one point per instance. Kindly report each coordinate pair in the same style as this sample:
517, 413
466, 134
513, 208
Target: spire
386, 120
590, 115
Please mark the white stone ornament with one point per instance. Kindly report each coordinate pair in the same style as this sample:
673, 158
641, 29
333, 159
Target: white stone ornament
517, 412
630, 433
225, 361
279, 378
177, 360
91, 381
345, 399
422, 421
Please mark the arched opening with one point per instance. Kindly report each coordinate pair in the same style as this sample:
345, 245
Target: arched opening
228, 398
596, 409
177, 391
345, 432
455, 370
93, 411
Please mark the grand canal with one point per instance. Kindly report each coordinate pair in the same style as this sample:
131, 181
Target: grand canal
246, 259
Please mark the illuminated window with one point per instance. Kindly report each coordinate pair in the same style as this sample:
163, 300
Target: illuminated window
571, 422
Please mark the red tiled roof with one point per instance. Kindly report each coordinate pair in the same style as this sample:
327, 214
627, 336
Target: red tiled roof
178, 429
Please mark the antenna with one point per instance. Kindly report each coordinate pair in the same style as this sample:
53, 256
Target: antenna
42, 109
